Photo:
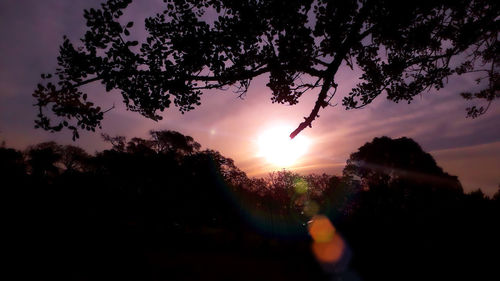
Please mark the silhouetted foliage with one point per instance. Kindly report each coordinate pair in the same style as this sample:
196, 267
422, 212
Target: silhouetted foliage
11, 163
137, 212
42, 159
496, 196
388, 162
74, 158
401, 48
174, 142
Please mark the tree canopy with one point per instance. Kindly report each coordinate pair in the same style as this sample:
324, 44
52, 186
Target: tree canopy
390, 162
401, 48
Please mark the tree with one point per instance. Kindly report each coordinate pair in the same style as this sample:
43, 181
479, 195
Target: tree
74, 158
386, 162
162, 142
140, 146
402, 49
11, 163
318, 183
496, 196
43, 157
117, 142
167, 141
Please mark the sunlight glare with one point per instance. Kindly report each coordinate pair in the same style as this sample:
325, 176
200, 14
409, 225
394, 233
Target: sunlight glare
276, 146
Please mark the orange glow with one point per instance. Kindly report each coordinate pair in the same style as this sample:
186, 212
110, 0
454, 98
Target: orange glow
321, 229
329, 252
328, 246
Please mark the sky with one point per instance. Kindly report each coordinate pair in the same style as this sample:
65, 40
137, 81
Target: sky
31, 32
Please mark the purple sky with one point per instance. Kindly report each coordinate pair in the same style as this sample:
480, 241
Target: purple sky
32, 30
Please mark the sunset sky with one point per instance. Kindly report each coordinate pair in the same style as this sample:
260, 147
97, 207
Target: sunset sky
32, 30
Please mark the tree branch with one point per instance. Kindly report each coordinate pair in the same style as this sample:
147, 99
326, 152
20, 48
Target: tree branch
329, 73
320, 102
242, 76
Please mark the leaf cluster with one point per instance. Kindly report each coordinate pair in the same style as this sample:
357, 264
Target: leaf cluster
401, 48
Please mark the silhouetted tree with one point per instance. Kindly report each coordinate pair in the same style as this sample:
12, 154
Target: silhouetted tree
11, 164
410, 211
338, 198
163, 142
167, 141
401, 49
117, 142
43, 157
140, 146
496, 196
317, 183
477, 195
225, 167
385, 162
74, 158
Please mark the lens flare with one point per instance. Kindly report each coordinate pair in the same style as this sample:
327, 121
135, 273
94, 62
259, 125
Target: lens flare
321, 229
328, 246
301, 186
329, 252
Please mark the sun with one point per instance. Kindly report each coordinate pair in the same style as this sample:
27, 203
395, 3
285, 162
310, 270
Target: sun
277, 148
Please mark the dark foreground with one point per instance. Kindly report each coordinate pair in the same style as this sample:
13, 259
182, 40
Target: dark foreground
148, 215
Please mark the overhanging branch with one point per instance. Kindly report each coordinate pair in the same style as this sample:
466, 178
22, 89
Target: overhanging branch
320, 103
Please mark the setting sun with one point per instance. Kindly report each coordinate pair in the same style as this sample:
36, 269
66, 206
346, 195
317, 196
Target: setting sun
278, 149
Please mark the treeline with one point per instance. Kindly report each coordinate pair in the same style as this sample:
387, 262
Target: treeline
163, 209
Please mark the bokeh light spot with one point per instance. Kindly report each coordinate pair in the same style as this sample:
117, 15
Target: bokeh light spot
321, 229
328, 246
301, 186
329, 252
